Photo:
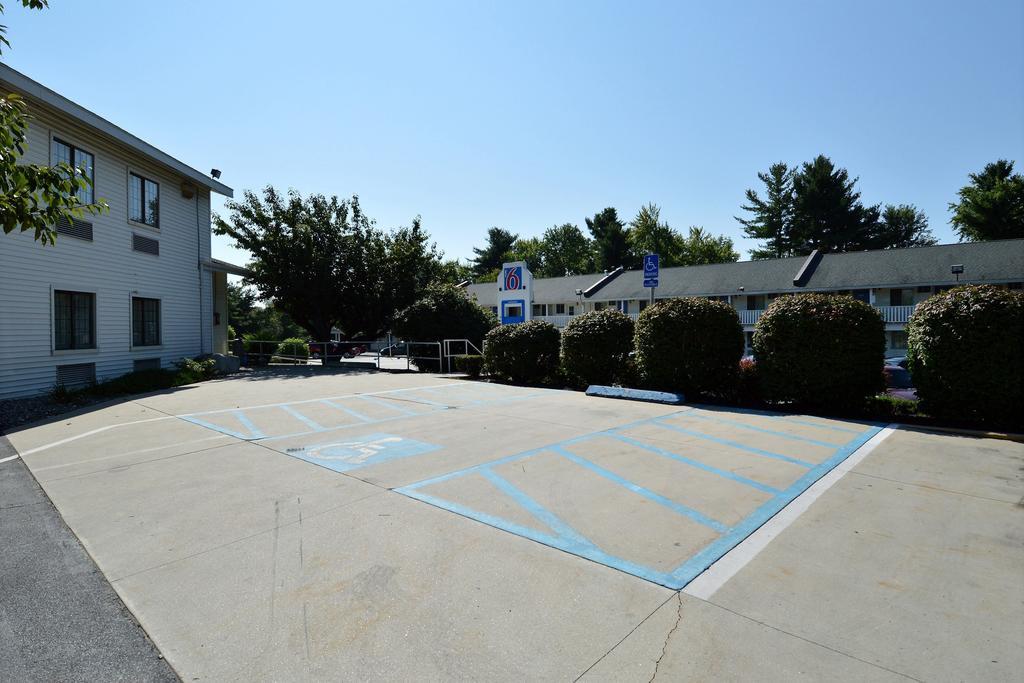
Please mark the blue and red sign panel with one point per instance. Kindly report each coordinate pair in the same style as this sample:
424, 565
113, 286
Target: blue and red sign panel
513, 278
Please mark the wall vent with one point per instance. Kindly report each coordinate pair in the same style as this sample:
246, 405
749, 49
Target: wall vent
146, 245
146, 364
76, 376
72, 227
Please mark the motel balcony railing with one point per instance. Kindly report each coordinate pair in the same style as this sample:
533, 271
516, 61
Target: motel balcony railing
890, 315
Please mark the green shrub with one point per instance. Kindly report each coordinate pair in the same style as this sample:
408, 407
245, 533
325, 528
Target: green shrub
690, 345
443, 312
964, 353
293, 348
469, 364
192, 370
596, 346
820, 350
525, 353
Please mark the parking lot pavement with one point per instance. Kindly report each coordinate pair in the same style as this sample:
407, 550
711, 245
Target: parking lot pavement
422, 527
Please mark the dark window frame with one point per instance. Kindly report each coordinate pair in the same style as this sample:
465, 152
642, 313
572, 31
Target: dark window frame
72, 343
75, 151
140, 338
142, 220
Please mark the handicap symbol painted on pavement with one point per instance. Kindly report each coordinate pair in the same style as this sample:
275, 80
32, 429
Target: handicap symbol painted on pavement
371, 449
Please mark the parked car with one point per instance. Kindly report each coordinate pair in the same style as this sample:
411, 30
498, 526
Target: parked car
336, 350
898, 381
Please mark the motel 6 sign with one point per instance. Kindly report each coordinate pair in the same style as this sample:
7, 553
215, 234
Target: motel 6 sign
651, 270
513, 279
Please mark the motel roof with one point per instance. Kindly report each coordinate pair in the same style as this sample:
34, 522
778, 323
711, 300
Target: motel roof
994, 262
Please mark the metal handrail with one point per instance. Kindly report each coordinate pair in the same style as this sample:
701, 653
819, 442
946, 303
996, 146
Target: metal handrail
408, 356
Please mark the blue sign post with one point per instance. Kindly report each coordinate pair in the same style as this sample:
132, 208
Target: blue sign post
651, 273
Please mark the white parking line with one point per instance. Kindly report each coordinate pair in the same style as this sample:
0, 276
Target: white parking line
9, 458
708, 583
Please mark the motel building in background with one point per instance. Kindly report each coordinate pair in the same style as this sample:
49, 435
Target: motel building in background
892, 280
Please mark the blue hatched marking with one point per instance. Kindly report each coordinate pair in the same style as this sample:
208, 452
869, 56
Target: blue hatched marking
693, 567
695, 463
734, 444
386, 404
568, 539
356, 415
216, 427
753, 428
646, 493
254, 432
302, 418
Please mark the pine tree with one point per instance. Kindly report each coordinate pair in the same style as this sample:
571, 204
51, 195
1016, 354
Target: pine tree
827, 211
772, 216
492, 255
992, 206
611, 241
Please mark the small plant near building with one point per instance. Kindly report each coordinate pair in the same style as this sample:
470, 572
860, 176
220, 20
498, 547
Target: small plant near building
965, 355
524, 353
820, 351
471, 365
293, 349
596, 347
690, 345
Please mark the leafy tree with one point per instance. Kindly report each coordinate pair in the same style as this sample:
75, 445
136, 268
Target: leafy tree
700, 248
35, 197
991, 207
265, 322
773, 215
453, 272
902, 226
611, 241
827, 210
649, 235
529, 249
324, 262
443, 312
492, 255
565, 250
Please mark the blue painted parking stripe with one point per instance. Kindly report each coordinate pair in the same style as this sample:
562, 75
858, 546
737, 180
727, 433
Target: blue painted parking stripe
386, 404
646, 493
587, 550
690, 569
217, 428
475, 468
302, 418
694, 463
254, 432
545, 516
795, 419
734, 444
356, 415
753, 428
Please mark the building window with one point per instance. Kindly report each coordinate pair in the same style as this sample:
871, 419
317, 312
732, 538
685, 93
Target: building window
643, 304
143, 200
559, 309
74, 320
598, 305
897, 340
895, 297
63, 152
572, 310
624, 307
538, 309
145, 322
862, 295
755, 302
494, 310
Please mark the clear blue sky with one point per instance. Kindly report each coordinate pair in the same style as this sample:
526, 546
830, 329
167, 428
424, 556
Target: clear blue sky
524, 115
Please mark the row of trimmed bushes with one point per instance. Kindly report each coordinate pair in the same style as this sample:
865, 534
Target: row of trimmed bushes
822, 351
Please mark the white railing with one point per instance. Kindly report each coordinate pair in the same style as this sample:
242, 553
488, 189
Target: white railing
896, 314
750, 317
556, 320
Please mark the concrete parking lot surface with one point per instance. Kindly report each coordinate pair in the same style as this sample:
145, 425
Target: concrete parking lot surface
415, 526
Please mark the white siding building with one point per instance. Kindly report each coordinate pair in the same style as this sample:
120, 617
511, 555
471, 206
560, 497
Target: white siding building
130, 289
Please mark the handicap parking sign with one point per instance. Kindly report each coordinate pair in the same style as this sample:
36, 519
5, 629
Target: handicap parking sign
651, 270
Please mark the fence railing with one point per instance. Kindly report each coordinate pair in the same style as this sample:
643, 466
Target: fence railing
259, 352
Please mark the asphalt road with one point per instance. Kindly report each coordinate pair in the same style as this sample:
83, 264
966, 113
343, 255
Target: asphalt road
60, 620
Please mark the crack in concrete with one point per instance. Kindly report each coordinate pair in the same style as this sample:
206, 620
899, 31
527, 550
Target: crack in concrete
668, 636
